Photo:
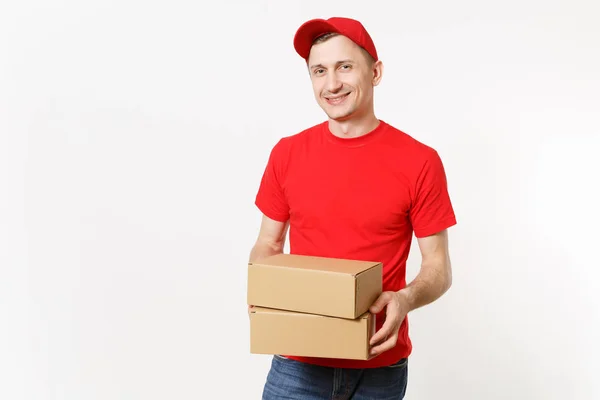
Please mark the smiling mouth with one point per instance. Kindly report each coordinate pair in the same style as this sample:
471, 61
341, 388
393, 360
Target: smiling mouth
337, 99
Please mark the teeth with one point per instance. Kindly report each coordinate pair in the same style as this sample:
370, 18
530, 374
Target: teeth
336, 98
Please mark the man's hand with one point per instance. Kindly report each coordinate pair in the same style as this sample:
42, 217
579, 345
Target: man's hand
432, 281
396, 308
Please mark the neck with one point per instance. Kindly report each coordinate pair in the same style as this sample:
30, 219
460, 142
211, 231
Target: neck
354, 127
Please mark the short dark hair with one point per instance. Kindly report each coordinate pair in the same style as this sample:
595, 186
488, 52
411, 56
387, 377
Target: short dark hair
325, 37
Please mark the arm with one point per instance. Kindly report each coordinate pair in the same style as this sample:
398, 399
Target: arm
432, 281
434, 278
271, 239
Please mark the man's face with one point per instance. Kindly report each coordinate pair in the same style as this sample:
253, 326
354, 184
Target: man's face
342, 78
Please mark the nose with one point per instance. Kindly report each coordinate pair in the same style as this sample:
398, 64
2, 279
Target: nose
333, 83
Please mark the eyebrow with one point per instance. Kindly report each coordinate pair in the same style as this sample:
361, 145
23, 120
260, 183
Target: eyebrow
337, 63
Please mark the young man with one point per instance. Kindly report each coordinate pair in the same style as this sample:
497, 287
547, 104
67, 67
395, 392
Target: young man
355, 187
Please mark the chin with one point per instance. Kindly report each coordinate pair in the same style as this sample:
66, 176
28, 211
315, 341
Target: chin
335, 112
338, 115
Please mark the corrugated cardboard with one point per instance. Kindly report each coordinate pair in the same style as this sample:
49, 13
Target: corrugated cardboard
309, 335
316, 285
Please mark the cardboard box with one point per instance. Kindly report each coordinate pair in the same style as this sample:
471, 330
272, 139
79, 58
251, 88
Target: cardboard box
316, 285
309, 335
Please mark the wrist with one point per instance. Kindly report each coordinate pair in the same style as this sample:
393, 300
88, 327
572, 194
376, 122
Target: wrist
405, 299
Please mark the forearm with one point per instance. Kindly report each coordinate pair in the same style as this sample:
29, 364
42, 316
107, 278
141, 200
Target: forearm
265, 249
430, 284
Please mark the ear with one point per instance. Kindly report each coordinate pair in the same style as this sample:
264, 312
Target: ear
377, 72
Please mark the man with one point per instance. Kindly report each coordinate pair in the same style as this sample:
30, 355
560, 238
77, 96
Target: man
355, 187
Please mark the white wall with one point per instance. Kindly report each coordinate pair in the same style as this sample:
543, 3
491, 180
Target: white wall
133, 138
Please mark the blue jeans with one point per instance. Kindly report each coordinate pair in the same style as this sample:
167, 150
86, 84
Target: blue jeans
290, 379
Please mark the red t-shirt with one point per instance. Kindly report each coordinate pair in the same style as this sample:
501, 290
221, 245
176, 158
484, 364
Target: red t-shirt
357, 198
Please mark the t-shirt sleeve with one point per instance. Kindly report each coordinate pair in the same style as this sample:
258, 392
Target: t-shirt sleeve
432, 210
271, 199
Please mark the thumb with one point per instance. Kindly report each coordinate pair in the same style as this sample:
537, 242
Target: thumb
381, 301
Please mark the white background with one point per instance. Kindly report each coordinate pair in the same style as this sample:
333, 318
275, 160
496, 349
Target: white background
134, 135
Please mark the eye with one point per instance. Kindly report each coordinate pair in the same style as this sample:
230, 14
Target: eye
319, 71
346, 66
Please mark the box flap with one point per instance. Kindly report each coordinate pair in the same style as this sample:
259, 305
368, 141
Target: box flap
325, 264
266, 310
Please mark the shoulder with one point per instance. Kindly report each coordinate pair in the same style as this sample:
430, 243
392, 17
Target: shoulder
290, 142
411, 148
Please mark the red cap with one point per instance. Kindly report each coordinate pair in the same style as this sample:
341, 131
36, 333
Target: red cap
352, 29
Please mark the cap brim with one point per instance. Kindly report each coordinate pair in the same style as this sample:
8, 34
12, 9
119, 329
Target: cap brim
308, 32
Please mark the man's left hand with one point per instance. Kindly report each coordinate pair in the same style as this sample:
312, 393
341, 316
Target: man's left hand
396, 308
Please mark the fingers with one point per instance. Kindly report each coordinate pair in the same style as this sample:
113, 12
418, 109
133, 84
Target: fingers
382, 334
390, 324
385, 338
383, 299
385, 346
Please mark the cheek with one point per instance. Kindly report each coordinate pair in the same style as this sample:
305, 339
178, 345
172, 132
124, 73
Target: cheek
317, 89
363, 87
355, 83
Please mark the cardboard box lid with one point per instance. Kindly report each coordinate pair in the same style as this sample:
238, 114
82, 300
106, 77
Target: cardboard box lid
266, 310
317, 285
321, 264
